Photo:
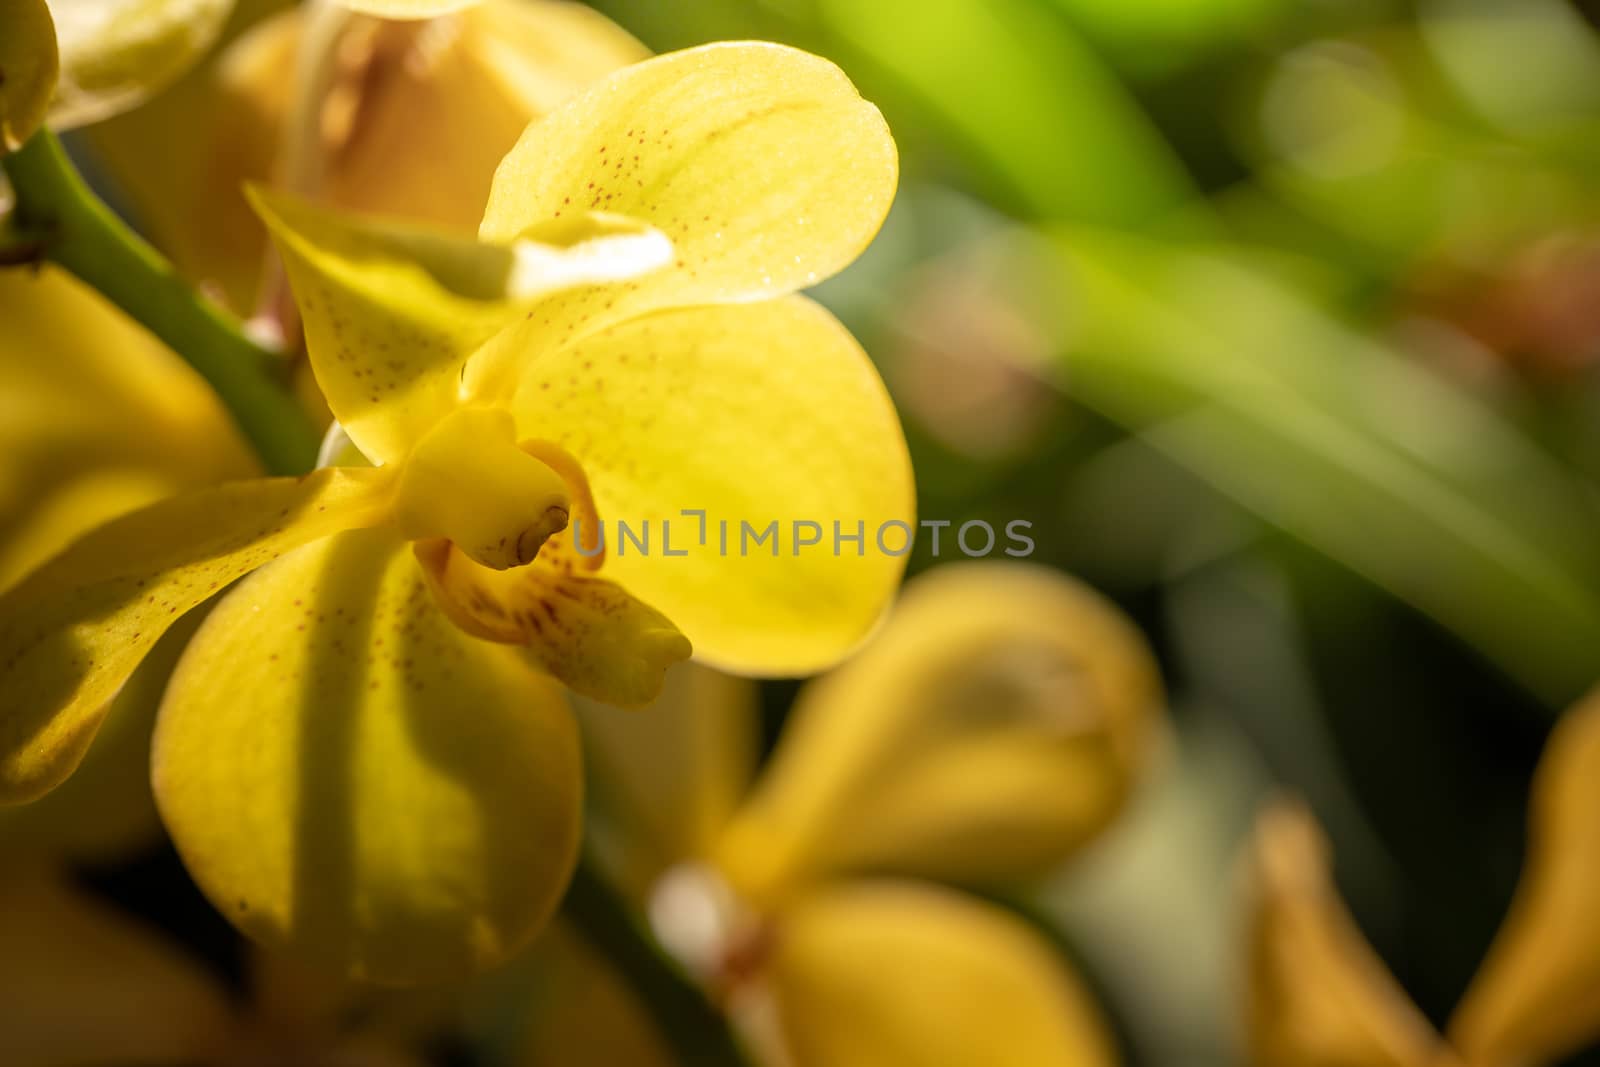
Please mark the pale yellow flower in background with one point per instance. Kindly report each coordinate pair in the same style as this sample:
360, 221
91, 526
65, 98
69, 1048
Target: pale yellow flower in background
990, 731
994, 725
407, 9
1319, 996
31, 63
417, 117
68, 63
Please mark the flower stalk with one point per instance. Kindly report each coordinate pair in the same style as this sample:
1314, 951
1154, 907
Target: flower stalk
696, 1030
58, 219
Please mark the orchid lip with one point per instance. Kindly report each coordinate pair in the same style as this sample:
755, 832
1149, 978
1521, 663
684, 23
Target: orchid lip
533, 538
468, 481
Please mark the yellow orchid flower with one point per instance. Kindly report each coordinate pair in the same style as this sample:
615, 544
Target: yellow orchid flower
415, 119
994, 725
362, 754
1319, 995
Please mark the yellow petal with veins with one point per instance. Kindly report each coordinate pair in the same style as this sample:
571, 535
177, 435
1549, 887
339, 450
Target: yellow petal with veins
761, 163
996, 723
1537, 996
584, 630
1316, 993
82, 984
72, 632
392, 310
884, 973
350, 777
29, 63
762, 416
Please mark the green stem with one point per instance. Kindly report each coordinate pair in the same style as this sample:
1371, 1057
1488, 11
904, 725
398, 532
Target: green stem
57, 212
692, 1025
57, 218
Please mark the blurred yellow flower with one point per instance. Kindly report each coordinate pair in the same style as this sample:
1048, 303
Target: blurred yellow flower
1318, 995
81, 984
413, 122
85, 983
406, 9
362, 753
31, 63
995, 725
72, 62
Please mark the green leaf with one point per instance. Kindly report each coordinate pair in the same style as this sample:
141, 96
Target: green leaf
1022, 97
1344, 443
1362, 139
1157, 38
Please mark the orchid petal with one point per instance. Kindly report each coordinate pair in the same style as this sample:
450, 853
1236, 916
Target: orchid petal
351, 778
756, 415
1317, 993
881, 973
72, 632
1537, 995
392, 310
996, 723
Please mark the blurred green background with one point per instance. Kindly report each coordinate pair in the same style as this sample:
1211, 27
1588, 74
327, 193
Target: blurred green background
1280, 321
